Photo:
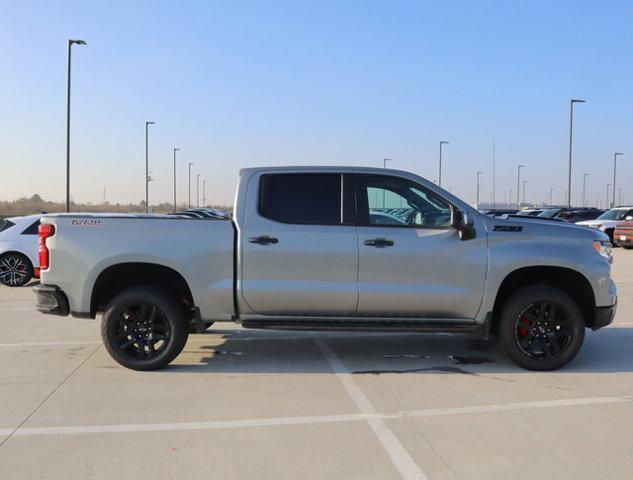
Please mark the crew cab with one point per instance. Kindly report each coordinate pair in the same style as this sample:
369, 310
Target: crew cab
309, 248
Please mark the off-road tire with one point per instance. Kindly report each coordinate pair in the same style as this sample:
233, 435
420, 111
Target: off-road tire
174, 327
519, 304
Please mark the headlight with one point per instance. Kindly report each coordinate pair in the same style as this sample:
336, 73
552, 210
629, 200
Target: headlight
603, 248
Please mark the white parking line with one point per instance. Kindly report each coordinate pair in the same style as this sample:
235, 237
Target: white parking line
281, 421
409, 470
47, 344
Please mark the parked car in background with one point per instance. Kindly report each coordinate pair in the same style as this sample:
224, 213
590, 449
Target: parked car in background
529, 212
203, 213
609, 220
623, 235
498, 212
18, 250
575, 215
549, 213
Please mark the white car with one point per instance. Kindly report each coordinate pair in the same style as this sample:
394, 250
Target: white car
18, 250
609, 220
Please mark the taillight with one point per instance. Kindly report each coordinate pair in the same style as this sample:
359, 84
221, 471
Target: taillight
45, 231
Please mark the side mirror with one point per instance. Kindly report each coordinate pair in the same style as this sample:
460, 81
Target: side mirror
461, 223
457, 219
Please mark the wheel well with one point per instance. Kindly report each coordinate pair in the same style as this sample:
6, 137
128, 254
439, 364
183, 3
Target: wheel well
122, 276
570, 281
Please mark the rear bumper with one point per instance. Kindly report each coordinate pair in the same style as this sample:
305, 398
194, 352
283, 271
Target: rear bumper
604, 316
51, 300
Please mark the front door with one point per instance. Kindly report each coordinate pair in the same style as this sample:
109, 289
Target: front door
412, 263
299, 245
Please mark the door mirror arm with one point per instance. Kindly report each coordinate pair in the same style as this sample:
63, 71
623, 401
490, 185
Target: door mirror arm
463, 224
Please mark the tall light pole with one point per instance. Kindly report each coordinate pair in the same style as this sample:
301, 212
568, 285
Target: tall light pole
204, 193
519, 167
606, 203
175, 150
523, 197
478, 187
584, 189
571, 129
615, 162
510, 199
190, 163
147, 179
439, 178
494, 180
198, 190
551, 196
70, 44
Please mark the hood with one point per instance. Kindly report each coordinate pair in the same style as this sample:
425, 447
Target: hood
537, 227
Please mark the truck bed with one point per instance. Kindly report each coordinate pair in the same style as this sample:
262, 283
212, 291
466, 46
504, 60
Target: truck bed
200, 250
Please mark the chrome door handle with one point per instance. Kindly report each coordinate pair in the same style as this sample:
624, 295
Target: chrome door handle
379, 242
263, 240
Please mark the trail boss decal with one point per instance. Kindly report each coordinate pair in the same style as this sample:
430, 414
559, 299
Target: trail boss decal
85, 223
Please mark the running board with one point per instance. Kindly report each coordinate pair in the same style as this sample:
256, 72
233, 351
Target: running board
364, 325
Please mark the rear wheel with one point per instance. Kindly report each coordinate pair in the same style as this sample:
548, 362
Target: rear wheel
16, 270
144, 328
541, 328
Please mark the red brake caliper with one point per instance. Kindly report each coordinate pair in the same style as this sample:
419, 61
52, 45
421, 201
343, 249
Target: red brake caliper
523, 331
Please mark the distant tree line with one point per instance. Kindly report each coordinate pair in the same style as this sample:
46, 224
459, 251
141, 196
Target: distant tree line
36, 204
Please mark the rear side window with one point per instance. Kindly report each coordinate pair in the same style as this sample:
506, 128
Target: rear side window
5, 225
302, 198
32, 229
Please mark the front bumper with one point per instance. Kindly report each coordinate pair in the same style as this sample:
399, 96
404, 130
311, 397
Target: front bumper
51, 300
604, 316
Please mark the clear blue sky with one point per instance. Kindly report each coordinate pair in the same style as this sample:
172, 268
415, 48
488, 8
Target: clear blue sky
238, 84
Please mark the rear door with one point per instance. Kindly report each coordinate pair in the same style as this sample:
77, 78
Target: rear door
299, 245
412, 263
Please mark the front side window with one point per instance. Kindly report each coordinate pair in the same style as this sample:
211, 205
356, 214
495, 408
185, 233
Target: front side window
302, 198
393, 201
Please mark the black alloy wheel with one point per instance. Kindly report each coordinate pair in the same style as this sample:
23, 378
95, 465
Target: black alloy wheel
144, 328
542, 330
541, 327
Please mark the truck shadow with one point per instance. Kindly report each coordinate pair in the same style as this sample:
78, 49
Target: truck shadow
263, 351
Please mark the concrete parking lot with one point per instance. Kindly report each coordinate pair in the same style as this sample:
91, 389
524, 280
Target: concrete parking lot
243, 404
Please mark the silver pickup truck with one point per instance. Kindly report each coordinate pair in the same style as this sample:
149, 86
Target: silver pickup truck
330, 248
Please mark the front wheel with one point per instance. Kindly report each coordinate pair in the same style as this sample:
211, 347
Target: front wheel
144, 328
16, 270
541, 328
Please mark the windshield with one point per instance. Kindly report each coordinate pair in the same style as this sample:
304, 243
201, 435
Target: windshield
548, 213
619, 214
